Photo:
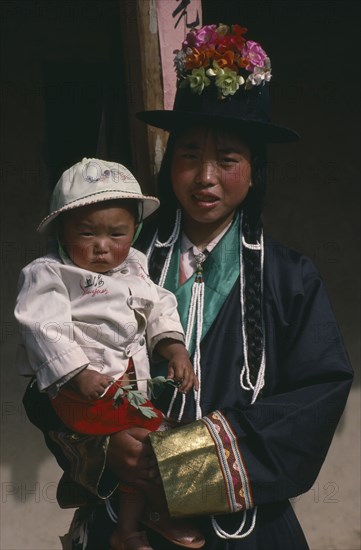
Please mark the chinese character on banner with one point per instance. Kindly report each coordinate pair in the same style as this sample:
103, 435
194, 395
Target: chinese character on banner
175, 18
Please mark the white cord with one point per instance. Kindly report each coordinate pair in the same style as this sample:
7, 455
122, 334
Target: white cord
151, 246
175, 233
175, 393
168, 243
245, 372
250, 245
113, 516
237, 534
191, 316
164, 273
197, 353
245, 369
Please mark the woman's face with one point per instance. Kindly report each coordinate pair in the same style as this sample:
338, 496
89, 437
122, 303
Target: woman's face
211, 175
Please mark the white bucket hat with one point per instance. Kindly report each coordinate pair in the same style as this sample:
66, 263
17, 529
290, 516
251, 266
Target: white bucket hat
93, 180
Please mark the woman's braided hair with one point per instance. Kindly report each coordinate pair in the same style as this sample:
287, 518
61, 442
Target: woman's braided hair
251, 230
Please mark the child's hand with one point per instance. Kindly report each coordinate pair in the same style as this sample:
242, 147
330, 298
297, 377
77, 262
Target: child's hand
89, 383
180, 368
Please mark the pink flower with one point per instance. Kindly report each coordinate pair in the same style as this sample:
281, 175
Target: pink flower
196, 38
207, 35
254, 55
220, 56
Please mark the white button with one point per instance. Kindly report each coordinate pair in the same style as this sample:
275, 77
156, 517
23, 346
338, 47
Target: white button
128, 351
130, 301
124, 271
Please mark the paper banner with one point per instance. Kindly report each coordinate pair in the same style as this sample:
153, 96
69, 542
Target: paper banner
175, 19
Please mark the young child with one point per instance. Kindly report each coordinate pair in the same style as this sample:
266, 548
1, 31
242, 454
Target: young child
89, 315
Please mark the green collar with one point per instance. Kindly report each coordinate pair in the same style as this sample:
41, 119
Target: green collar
220, 272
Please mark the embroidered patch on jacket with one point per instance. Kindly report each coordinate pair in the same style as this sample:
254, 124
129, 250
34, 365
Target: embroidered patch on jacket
233, 469
93, 285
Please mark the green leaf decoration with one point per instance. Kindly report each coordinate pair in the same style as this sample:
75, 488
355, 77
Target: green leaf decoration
148, 412
118, 393
158, 381
136, 398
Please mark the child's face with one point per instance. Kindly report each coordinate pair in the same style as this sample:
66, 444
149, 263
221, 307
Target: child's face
98, 237
211, 174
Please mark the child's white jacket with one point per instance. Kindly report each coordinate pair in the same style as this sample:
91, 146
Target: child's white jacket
70, 317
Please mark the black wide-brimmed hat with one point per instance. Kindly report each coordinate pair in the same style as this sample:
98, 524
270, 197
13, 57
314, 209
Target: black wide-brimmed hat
223, 81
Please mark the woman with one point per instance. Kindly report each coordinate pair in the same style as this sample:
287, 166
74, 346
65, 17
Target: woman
274, 375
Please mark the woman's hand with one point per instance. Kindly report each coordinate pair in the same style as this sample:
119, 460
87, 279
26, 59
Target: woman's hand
131, 458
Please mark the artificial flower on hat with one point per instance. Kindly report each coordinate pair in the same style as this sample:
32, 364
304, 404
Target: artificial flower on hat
221, 55
223, 80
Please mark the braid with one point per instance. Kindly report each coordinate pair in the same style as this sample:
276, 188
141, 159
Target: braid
253, 301
252, 233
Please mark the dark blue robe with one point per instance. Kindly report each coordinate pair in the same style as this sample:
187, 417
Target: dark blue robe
283, 437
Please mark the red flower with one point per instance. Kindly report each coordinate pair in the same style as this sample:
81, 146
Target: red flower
233, 40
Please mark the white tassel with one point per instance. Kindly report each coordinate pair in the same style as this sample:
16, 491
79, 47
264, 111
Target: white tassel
195, 313
196, 307
197, 353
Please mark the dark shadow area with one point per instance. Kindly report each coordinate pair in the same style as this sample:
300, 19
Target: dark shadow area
62, 99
